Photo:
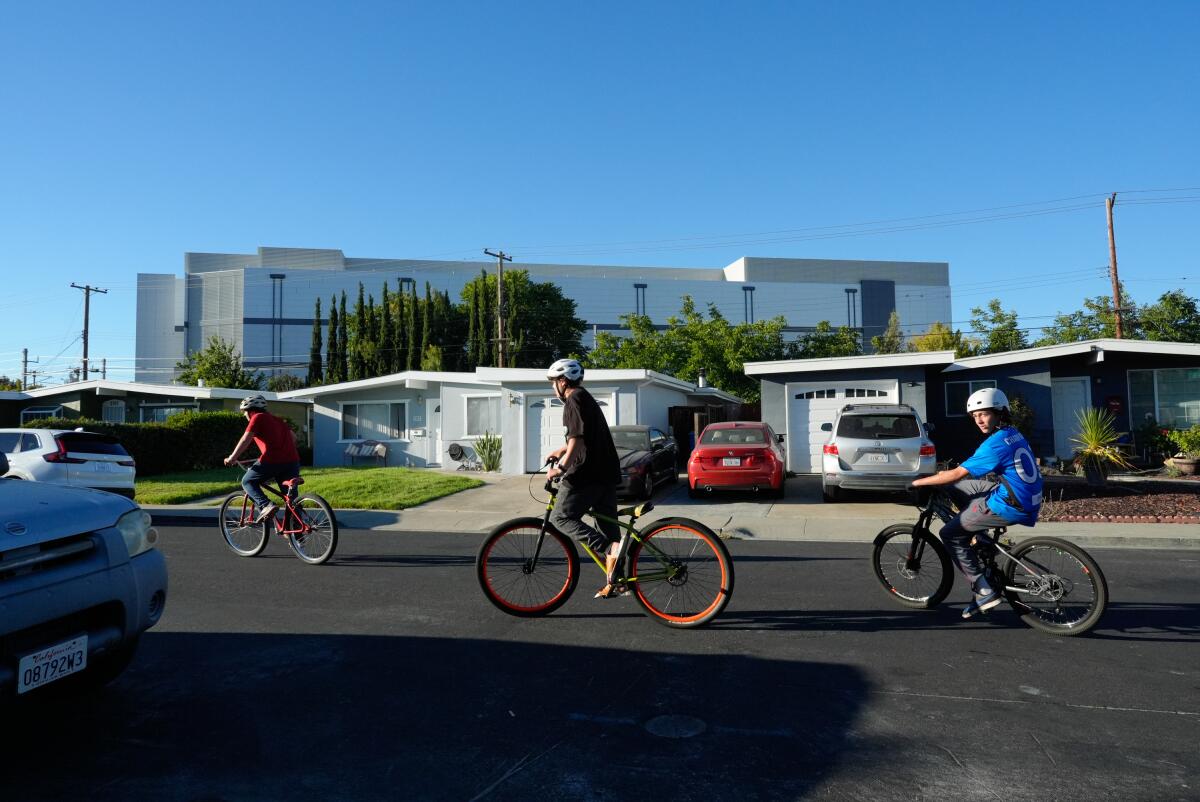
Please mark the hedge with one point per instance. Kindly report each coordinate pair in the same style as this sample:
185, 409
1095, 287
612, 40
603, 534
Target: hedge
187, 441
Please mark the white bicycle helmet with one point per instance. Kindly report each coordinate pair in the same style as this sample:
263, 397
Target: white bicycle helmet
253, 402
570, 369
987, 398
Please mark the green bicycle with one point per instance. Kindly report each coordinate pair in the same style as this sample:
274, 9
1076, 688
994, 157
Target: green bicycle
678, 569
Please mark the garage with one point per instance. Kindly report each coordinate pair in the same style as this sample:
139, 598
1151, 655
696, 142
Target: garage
809, 404
544, 430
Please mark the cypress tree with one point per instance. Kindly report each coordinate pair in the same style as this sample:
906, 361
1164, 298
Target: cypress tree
387, 354
426, 310
360, 335
331, 353
314, 351
471, 333
484, 356
343, 363
410, 333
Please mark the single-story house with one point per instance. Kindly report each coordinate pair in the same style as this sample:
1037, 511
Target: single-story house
419, 415
1133, 379
133, 402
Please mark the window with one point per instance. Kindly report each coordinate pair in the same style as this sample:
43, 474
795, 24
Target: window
158, 413
37, 413
380, 420
831, 393
8, 442
878, 427
114, 411
483, 415
957, 394
1171, 395
862, 392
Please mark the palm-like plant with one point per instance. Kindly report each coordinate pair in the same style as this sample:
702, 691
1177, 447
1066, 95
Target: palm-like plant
1097, 441
488, 447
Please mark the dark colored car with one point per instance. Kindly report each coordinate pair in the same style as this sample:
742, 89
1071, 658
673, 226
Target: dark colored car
647, 457
737, 455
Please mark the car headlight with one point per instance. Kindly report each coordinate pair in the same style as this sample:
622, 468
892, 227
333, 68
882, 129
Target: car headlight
139, 535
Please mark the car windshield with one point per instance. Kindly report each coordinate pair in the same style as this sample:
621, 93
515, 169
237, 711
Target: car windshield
878, 427
632, 441
89, 443
737, 437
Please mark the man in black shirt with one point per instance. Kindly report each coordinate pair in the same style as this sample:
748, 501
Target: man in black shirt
589, 468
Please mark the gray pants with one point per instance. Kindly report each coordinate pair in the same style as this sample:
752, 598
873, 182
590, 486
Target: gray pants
573, 503
970, 496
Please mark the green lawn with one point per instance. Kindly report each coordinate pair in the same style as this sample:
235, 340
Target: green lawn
344, 488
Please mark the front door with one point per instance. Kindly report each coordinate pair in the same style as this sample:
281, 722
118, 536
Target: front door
1068, 396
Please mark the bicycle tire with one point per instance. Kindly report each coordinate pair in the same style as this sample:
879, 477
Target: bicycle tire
243, 537
318, 544
1076, 596
921, 584
699, 580
503, 562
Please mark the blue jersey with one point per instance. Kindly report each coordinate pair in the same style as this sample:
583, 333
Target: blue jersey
1018, 497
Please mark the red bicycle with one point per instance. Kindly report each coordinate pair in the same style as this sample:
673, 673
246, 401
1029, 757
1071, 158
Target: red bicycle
306, 521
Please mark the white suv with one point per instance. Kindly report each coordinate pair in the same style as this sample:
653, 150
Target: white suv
69, 457
80, 581
875, 447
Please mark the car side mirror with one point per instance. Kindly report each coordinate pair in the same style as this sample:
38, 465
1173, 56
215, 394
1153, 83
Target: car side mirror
827, 427
779, 438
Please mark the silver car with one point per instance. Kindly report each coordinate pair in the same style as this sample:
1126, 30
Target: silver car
69, 457
80, 581
875, 447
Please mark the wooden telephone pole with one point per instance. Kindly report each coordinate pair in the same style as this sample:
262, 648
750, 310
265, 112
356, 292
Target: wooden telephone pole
87, 297
501, 343
1112, 261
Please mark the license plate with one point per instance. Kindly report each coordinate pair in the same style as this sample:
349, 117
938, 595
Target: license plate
877, 457
731, 461
102, 467
53, 662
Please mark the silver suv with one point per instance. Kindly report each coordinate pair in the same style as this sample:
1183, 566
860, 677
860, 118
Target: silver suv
875, 447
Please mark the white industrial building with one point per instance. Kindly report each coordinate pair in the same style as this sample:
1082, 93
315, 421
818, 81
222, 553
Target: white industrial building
263, 302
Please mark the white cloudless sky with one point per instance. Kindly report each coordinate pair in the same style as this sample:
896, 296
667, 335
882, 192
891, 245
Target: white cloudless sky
650, 133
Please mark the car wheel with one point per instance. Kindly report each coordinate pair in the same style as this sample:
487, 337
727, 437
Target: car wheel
647, 488
831, 494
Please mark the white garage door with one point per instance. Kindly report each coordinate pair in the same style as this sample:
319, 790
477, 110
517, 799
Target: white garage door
544, 430
810, 404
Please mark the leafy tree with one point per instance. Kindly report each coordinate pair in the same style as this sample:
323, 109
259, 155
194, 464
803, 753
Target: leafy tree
826, 341
314, 351
432, 358
1174, 317
426, 325
692, 342
940, 337
892, 340
360, 338
218, 365
998, 328
411, 355
1095, 320
282, 382
9, 384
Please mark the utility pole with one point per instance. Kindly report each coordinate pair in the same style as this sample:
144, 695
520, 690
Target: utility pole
87, 297
25, 368
501, 350
1112, 261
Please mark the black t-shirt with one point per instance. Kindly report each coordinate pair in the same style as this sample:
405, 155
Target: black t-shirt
598, 462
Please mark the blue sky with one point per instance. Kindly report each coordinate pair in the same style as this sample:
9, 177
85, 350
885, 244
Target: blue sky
672, 133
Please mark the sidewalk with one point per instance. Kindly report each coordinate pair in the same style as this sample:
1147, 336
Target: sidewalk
801, 515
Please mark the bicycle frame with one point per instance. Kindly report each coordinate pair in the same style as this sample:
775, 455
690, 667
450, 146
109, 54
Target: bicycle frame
288, 510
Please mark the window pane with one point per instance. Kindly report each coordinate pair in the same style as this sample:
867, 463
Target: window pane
373, 422
1179, 397
956, 397
1141, 397
980, 384
399, 424
8, 442
483, 415
350, 421
114, 411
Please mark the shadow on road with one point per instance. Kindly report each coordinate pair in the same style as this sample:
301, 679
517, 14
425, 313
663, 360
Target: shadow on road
251, 716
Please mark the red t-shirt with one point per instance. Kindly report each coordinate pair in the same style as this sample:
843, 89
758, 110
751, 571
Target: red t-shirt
273, 438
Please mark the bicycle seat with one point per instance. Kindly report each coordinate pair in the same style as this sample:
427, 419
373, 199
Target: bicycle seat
639, 510
292, 482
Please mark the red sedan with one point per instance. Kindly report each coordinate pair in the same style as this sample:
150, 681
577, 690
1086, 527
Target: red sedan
737, 455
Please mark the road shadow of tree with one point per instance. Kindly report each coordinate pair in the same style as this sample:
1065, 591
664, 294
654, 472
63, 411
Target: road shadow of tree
254, 716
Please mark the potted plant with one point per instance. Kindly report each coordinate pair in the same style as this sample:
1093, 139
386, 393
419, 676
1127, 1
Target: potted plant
1187, 441
1097, 441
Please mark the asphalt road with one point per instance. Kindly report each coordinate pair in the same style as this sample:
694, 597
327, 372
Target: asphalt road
386, 675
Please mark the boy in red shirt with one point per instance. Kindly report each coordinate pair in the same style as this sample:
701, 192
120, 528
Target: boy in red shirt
278, 458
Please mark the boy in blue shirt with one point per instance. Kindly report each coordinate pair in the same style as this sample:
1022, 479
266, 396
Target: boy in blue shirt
1014, 498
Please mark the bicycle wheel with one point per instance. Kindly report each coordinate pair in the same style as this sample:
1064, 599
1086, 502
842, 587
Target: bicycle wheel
682, 574
914, 568
1063, 592
317, 538
513, 582
243, 537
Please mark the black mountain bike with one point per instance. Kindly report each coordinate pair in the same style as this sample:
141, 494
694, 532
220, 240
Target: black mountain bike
1054, 586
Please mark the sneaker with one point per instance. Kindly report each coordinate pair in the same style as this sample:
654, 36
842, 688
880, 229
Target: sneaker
982, 603
612, 591
266, 513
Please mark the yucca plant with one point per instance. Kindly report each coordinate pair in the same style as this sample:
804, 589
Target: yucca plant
1097, 441
488, 447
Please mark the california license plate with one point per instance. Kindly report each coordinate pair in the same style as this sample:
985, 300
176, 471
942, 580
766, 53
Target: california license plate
731, 461
877, 458
52, 663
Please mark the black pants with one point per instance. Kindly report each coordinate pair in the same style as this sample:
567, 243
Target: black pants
573, 503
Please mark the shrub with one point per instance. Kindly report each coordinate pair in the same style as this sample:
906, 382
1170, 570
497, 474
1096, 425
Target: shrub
1187, 441
488, 447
